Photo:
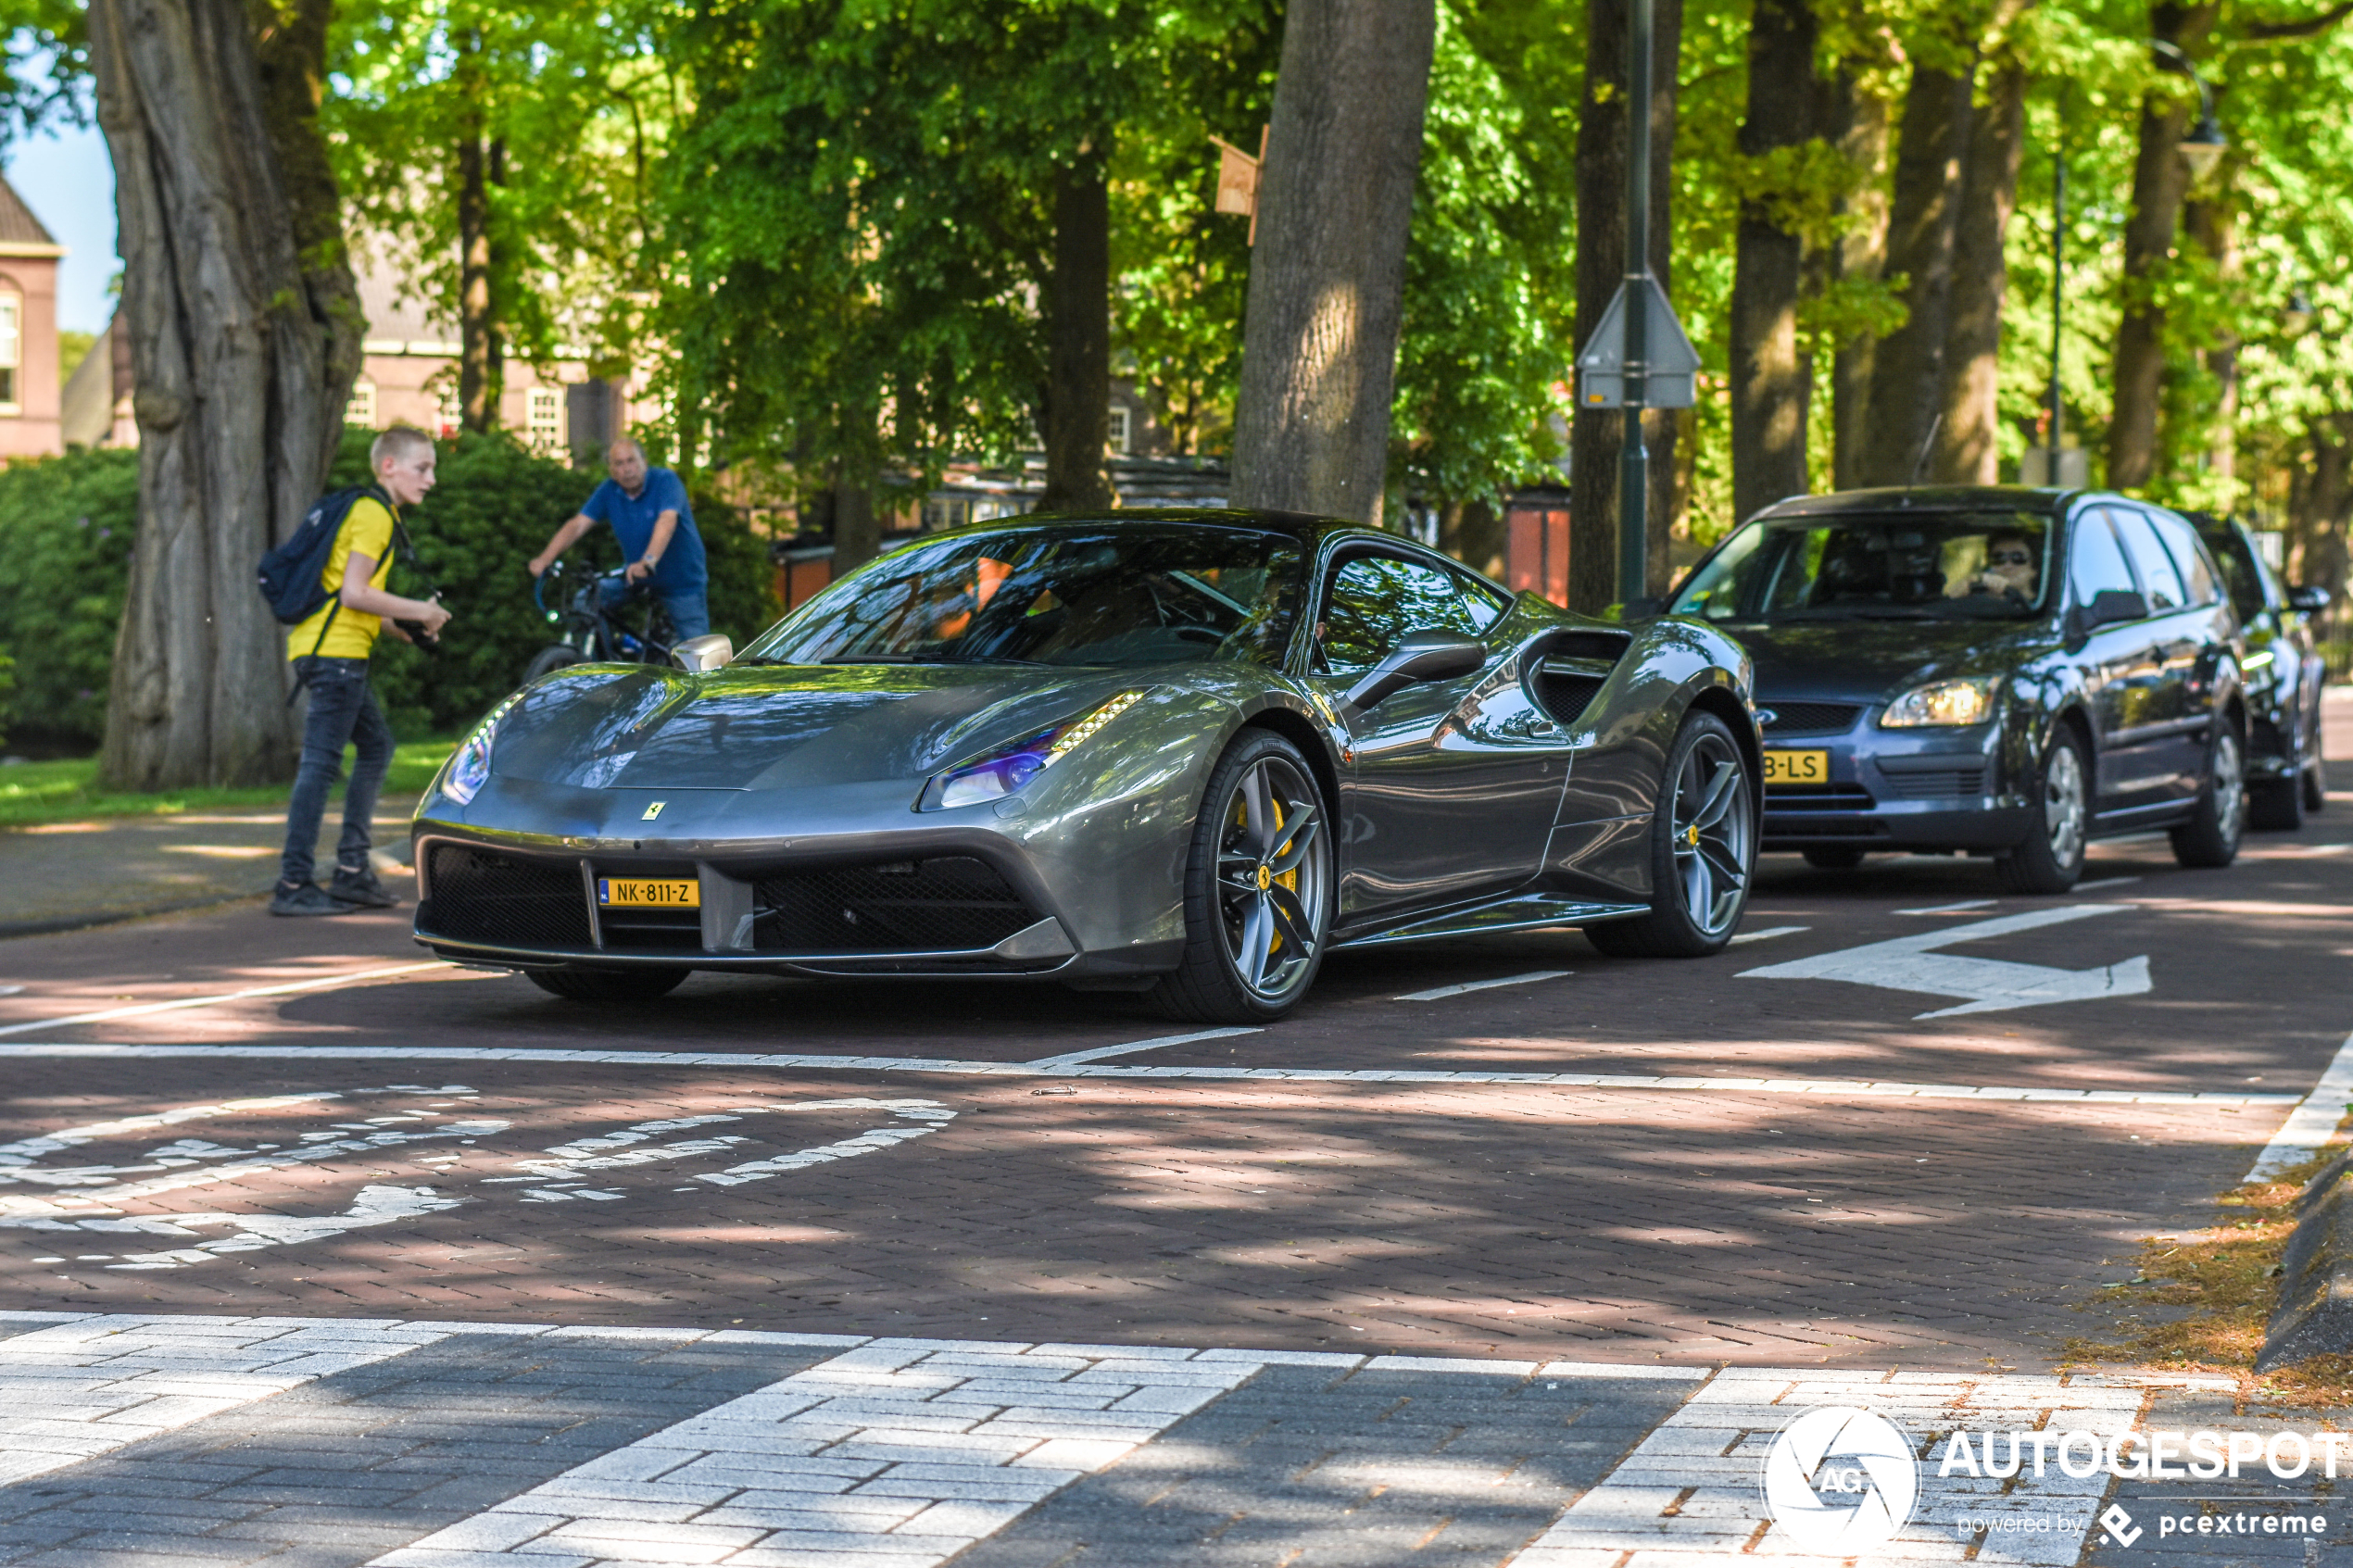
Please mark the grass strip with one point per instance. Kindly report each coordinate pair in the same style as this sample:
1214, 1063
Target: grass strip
32, 794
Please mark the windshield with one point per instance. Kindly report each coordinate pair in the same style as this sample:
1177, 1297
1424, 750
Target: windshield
1081, 593
1923, 566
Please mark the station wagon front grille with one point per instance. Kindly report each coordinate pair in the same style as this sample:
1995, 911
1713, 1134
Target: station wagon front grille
507, 900
946, 905
1780, 797
1810, 718
1941, 784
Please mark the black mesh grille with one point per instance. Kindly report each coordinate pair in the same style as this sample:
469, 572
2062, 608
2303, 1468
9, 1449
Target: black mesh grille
507, 900
1939, 785
1817, 797
1567, 693
1798, 827
1811, 718
900, 905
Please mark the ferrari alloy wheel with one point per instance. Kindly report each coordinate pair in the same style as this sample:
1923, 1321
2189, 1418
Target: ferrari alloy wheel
579, 982
2211, 835
2051, 858
1258, 892
1703, 851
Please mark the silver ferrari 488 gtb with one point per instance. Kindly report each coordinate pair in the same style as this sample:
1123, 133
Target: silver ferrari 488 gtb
1187, 753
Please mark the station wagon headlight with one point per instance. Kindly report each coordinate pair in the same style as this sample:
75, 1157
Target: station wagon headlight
1007, 768
469, 767
1944, 704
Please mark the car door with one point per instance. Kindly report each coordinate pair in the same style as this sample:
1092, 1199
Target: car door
2168, 725
2204, 640
2119, 663
1449, 788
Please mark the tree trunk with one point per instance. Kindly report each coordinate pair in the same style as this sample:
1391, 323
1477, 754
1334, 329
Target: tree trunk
1077, 398
857, 531
499, 268
476, 410
1967, 452
1596, 438
1923, 215
1859, 131
1327, 282
2159, 180
1475, 534
241, 316
2214, 224
1771, 385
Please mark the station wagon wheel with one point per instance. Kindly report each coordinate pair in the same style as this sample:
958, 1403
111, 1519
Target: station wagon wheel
1258, 892
2210, 837
1703, 850
2050, 859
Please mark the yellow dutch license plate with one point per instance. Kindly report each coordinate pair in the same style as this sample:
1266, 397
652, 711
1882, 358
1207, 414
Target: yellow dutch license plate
1797, 767
640, 893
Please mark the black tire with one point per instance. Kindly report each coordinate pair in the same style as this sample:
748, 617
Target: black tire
1703, 851
2314, 783
1261, 879
1833, 857
555, 656
2276, 805
2210, 838
577, 982
2051, 858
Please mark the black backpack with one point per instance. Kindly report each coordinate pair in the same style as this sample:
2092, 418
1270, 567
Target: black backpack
289, 576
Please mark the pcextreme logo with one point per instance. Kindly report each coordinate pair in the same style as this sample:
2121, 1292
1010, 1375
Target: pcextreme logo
1841, 1481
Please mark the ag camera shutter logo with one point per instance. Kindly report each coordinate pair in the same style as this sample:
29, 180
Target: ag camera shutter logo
1841, 1481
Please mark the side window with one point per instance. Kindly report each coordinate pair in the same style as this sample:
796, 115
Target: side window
2189, 556
2164, 583
2095, 561
1376, 599
1482, 604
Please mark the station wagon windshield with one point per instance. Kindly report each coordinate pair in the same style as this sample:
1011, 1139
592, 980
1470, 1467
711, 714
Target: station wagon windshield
1903, 566
1087, 593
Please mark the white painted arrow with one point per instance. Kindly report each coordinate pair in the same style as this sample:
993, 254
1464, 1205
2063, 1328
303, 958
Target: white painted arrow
1911, 963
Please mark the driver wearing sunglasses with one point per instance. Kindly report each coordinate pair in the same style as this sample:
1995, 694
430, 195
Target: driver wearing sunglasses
2009, 566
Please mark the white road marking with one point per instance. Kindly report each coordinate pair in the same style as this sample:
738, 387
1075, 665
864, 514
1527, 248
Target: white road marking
1689, 1491
85, 1385
2313, 1122
1767, 934
1953, 909
182, 1003
2103, 882
1910, 963
1079, 1059
2299, 852
1441, 992
748, 1061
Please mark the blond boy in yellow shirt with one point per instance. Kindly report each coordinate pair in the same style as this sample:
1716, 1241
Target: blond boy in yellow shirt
333, 645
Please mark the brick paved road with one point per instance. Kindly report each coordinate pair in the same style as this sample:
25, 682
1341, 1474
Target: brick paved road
1760, 1174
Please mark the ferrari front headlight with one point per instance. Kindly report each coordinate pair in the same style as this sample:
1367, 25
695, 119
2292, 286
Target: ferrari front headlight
1009, 767
469, 767
1944, 704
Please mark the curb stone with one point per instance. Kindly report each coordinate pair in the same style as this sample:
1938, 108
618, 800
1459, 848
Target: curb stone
2315, 1313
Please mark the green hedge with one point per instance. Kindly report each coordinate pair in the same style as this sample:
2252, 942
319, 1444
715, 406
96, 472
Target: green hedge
66, 526
65, 533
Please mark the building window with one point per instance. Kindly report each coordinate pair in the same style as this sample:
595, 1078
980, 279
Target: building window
362, 410
1119, 428
11, 351
547, 421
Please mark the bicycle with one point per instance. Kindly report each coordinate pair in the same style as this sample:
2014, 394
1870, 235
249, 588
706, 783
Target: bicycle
593, 633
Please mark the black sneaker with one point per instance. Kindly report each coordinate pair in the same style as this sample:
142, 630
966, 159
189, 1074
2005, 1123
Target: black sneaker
362, 887
308, 899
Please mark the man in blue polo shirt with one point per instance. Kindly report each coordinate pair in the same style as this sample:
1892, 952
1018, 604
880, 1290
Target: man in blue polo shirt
647, 509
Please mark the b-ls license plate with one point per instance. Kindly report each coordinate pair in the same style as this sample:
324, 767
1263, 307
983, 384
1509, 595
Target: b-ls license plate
1797, 767
647, 893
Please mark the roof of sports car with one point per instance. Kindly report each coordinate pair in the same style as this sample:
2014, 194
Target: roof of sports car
1301, 525
1926, 498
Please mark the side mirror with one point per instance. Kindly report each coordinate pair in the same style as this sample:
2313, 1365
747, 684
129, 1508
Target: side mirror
2308, 601
697, 655
1419, 655
2109, 607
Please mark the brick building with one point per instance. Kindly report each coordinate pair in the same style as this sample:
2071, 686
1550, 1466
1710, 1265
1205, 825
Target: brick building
29, 257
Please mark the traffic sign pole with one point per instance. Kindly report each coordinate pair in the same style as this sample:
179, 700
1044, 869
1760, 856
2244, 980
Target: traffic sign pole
1633, 462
